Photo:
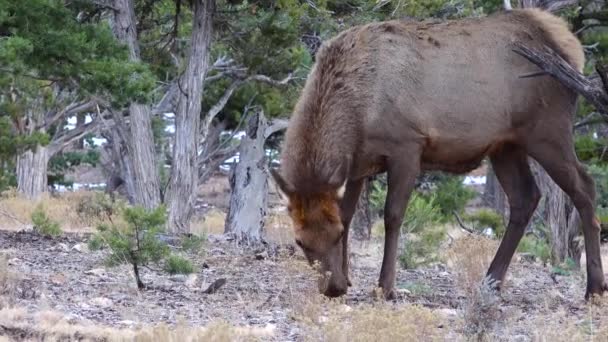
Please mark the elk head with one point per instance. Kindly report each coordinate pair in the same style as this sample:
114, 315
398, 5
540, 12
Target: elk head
318, 230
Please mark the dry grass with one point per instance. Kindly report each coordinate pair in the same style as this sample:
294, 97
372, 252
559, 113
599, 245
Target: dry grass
52, 326
16, 211
339, 322
211, 223
470, 257
8, 281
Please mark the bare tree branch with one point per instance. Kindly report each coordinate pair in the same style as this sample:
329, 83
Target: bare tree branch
275, 126
72, 135
72, 109
553, 64
166, 103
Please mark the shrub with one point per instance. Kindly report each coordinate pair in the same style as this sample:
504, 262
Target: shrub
421, 224
98, 208
422, 248
422, 212
43, 224
176, 264
487, 218
135, 242
452, 196
535, 246
95, 243
193, 243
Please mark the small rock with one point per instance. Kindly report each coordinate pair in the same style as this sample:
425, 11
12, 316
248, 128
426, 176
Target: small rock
261, 256
404, 291
323, 319
205, 265
179, 278
215, 286
127, 322
100, 272
101, 302
80, 247
191, 280
13, 261
57, 279
63, 247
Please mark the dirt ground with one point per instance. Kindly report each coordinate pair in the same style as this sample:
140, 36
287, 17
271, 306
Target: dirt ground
56, 289
270, 288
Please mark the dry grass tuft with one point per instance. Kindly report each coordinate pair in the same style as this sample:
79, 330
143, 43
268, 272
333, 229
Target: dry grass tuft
51, 326
9, 282
16, 210
211, 223
375, 323
470, 257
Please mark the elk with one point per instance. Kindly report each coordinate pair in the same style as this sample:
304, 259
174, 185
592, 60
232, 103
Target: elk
403, 98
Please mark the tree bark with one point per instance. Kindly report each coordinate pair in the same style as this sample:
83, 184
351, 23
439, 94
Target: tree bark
560, 217
181, 192
494, 196
140, 142
32, 172
362, 220
249, 185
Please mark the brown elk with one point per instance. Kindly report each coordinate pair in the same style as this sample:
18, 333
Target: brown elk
401, 98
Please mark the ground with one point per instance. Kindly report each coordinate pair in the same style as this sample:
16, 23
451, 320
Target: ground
56, 289
56, 281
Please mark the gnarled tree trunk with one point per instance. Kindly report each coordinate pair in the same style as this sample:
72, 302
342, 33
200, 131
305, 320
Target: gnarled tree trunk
560, 217
361, 224
494, 196
32, 172
249, 184
181, 192
140, 142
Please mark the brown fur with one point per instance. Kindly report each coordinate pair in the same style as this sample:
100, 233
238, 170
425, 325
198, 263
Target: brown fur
406, 97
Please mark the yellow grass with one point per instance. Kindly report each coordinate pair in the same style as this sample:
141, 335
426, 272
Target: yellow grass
51, 326
16, 211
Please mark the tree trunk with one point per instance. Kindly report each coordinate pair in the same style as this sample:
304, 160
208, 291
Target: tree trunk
140, 143
560, 217
494, 196
181, 192
32, 172
249, 185
362, 220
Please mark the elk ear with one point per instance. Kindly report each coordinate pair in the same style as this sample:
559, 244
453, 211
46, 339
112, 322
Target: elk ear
285, 189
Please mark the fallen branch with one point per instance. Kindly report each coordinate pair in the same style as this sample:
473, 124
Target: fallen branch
463, 226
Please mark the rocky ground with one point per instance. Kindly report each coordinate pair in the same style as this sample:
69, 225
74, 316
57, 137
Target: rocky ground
271, 288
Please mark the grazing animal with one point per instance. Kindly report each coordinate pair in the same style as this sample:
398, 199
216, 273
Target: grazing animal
401, 98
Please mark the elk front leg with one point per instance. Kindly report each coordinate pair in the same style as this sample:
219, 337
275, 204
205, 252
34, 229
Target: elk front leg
347, 210
401, 176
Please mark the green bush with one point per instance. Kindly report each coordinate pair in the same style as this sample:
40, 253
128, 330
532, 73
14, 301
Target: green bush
193, 243
135, 242
99, 208
422, 248
176, 264
422, 212
43, 224
535, 246
487, 218
452, 196
95, 243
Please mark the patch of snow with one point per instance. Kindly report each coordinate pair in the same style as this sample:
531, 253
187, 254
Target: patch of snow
474, 180
78, 186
